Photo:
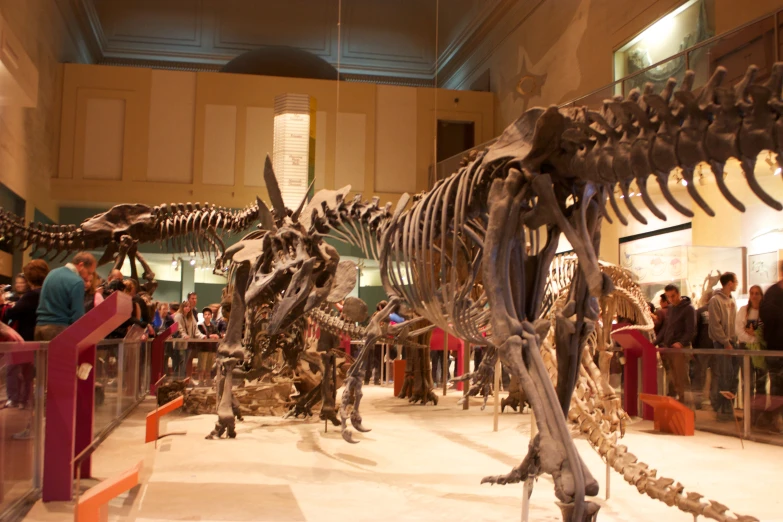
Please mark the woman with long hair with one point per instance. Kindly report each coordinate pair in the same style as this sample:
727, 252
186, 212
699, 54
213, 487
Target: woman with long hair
748, 327
188, 329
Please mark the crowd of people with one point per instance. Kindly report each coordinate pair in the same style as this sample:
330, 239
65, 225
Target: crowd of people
42, 303
718, 324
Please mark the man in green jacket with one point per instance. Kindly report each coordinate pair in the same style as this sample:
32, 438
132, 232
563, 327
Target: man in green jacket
62, 296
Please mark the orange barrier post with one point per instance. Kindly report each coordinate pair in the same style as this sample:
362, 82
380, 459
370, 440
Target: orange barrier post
399, 375
153, 418
670, 416
93, 506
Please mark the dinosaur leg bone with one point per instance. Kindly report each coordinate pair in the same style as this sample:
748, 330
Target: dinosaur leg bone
328, 390
518, 341
598, 283
352, 393
148, 274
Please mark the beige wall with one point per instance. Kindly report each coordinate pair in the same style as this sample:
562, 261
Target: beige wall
759, 228
571, 42
30, 137
170, 136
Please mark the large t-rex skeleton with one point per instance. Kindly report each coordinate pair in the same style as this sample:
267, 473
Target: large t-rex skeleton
551, 171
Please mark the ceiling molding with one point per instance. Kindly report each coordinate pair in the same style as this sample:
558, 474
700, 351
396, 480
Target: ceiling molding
465, 36
171, 65
387, 80
80, 28
215, 49
462, 71
474, 40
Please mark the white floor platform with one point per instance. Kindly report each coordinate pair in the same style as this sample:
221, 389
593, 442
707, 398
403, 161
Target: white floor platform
419, 463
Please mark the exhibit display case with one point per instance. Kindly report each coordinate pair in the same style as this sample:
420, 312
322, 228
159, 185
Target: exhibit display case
686, 266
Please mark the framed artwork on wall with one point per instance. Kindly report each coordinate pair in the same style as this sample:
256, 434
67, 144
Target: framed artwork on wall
763, 269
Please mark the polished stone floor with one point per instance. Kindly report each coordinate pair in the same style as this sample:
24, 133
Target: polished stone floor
418, 463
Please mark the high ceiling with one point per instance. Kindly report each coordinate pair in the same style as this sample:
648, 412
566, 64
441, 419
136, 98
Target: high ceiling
391, 41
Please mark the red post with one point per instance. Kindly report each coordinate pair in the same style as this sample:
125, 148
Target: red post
635, 345
69, 400
436, 344
156, 356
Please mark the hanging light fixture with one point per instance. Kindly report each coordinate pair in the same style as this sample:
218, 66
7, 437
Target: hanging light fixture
293, 149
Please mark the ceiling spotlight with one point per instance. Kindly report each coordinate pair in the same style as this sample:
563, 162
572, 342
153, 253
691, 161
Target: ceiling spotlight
192, 262
684, 183
778, 171
633, 194
173, 262
622, 197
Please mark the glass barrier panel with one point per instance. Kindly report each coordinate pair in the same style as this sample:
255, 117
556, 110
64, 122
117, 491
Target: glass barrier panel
144, 370
752, 45
130, 356
658, 76
595, 101
22, 384
107, 380
765, 406
737, 393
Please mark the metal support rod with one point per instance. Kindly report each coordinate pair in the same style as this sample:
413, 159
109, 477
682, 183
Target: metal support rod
533, 425
496, 394
526, 500
445, 369
528, 484
746, 401
465, 370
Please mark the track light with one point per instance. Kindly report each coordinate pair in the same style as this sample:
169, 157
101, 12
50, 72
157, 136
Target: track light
684, 183
192, 261
173, 262
777, 171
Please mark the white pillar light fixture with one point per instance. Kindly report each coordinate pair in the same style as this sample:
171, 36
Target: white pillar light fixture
291, 150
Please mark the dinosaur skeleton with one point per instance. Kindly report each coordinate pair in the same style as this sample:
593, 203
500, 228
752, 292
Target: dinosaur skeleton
552, 172
178, 227
468, 255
